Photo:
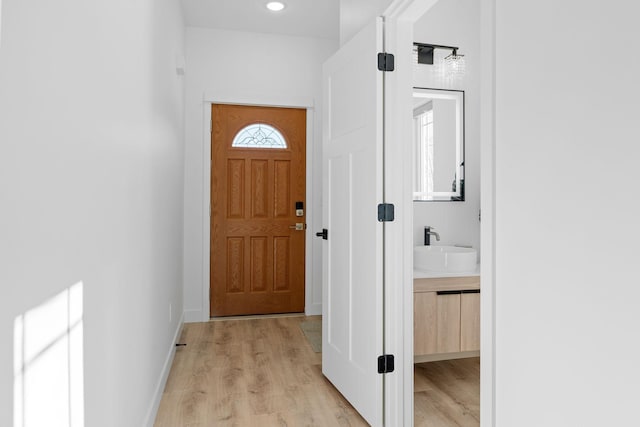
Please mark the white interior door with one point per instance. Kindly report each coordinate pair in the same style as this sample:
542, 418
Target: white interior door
352, 322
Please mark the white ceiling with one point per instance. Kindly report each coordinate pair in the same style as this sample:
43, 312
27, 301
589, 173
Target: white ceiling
306, 18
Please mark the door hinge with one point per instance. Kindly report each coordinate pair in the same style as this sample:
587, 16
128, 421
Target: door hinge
386, 212
386, 364
386, 61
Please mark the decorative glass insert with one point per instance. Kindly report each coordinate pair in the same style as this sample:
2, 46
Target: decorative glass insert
259, 135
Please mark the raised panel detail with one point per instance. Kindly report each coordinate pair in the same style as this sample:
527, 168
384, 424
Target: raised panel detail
259, 196
281, 264
235, 264
258, 264
282, 181
235, 188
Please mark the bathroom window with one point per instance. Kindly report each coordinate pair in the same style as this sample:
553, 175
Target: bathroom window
259, 135
423, 134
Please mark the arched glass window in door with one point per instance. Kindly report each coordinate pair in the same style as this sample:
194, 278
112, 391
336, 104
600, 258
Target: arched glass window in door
259, 135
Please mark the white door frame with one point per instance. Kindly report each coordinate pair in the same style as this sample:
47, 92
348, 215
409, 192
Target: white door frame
399, 20
264, 101
487, 208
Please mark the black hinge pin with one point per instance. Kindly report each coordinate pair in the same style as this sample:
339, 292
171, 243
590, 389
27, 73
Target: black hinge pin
386, 364
386, 61
386, 212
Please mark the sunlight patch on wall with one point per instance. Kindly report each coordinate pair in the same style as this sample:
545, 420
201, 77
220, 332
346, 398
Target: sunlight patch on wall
48, 386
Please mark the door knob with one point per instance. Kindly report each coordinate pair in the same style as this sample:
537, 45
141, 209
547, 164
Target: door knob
299, 226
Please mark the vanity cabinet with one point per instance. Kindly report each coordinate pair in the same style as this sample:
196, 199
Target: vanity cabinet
446, 318
470, 321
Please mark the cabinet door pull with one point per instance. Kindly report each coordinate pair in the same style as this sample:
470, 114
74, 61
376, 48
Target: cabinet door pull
465, 291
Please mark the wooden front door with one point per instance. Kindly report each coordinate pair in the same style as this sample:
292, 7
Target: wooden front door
258, 175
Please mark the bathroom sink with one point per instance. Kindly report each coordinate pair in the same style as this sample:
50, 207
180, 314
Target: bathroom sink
446, 259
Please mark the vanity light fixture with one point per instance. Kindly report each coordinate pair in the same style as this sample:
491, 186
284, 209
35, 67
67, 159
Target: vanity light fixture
454, 64
275, 6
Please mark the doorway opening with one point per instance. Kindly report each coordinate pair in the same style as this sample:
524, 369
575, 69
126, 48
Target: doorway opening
446, 217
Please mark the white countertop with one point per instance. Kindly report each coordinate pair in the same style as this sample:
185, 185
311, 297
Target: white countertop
423, 274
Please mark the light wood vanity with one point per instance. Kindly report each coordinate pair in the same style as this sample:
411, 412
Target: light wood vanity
446, 318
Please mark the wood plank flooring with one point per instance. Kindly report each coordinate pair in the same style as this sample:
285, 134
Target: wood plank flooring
263, 372
257, 372
447, 393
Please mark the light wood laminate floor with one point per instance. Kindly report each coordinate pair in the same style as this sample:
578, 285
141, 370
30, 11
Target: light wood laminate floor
257, 372
447, 393
263, 372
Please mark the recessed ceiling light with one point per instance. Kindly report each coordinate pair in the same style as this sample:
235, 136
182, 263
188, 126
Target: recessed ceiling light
275, 6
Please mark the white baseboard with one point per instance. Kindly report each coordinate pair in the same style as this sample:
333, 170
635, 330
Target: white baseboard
150, 419
193, 316
313, 309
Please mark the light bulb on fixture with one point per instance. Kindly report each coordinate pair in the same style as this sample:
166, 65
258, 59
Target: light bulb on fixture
275, 6
454, 64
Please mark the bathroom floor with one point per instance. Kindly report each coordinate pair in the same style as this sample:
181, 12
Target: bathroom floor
447, 393
262, 371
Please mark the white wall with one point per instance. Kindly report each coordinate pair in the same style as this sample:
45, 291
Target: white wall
91, 166
454, 23
566, 213
241, 65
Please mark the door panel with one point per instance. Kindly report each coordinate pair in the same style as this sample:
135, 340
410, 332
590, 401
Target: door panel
259, 191
282, 203
352, 255
257, 260
236, 188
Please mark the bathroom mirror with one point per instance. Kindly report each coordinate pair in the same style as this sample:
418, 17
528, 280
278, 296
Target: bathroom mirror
438, 141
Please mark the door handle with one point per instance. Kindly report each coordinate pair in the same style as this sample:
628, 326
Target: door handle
324, 234
299, 226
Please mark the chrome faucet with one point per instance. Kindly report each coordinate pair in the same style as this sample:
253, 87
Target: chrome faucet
428, 232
